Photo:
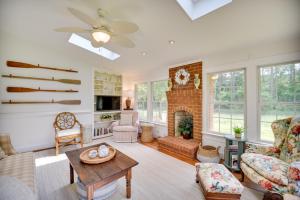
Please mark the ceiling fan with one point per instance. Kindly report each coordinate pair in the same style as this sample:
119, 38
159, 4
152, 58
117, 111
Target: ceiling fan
103, 29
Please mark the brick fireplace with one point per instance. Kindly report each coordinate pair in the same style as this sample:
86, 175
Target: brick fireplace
186, 98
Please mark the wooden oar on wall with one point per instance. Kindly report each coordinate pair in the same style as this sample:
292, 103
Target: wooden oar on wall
68, 81
24, 89
26, 65
65, 102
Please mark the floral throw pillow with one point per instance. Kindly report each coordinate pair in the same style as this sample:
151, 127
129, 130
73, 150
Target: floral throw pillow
262, 149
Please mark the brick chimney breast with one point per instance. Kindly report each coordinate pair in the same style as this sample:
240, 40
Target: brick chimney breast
186, 98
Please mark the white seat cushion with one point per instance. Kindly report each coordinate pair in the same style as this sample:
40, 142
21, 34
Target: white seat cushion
125, 129
67, 132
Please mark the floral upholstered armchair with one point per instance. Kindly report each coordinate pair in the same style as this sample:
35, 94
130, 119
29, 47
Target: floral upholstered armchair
276, 168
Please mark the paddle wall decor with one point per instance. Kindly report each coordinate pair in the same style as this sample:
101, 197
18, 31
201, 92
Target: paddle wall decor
32, 89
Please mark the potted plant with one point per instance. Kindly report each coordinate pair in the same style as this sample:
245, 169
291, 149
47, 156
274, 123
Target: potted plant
186, 127
238, 131
105, 117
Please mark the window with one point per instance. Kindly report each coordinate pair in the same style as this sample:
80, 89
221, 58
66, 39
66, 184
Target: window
141, 99
226, 101
279, 95
159, 101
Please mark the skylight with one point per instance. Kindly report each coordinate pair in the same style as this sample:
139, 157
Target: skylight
86, 44
198, 8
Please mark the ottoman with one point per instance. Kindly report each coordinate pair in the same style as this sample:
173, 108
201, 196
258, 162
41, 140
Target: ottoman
101, 194
217, 182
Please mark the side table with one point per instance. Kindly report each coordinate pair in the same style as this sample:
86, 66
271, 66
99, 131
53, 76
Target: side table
235, 147
147, 133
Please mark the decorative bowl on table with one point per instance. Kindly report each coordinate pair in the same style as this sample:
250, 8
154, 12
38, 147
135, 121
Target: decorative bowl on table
85, 155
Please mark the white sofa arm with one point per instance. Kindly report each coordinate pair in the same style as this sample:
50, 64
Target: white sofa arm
137, 123
113, 124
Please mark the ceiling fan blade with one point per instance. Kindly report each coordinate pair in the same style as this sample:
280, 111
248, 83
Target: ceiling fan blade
71, 30
83, 17
123, 41
124, 27
102, 22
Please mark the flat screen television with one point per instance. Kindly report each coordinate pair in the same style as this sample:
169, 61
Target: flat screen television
105, 103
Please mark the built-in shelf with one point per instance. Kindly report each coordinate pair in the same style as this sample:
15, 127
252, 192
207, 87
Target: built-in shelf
105, 84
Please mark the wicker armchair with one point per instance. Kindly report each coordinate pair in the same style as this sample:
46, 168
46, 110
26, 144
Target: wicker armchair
67, 130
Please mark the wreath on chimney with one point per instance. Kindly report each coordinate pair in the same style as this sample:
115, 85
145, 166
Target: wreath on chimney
182, 77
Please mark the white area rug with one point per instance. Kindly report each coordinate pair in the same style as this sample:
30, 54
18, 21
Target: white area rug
157, 176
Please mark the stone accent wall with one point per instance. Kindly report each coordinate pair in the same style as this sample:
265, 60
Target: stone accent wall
186, 98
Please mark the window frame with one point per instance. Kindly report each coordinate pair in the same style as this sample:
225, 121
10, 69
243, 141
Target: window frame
244, 69
259, 100
136, 99
151, 103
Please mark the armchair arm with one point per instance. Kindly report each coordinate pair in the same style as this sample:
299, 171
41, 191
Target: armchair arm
264, 149
113, 124
294, 178
137, 123
80, 125
55, 128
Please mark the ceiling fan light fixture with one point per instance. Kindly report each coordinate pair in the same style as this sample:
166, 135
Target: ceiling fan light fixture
101, 36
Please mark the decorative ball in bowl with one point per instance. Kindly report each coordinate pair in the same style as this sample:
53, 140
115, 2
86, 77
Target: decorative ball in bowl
93, 154
103, 151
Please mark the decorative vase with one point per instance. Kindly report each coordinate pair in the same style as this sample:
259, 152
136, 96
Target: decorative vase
170, 84
238, 135
128, 103
197, 81
208, 154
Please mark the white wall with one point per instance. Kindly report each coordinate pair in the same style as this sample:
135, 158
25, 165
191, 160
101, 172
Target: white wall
30, 126
248, 58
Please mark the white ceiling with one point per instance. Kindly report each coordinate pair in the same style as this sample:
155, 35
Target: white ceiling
240, 24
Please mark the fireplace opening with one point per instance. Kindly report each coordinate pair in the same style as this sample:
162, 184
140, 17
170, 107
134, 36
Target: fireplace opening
183, 124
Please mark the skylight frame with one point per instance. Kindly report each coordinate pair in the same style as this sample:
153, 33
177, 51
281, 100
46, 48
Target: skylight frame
198, 8
86, 44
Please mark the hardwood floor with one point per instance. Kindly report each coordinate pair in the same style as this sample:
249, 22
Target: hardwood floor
157, 176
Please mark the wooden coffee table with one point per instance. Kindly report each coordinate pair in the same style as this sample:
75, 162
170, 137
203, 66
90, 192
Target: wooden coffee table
96, 176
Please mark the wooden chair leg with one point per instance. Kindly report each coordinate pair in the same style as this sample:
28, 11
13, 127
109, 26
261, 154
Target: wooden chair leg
81, 141
242, 176
56, 147
272, 196
197, 165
